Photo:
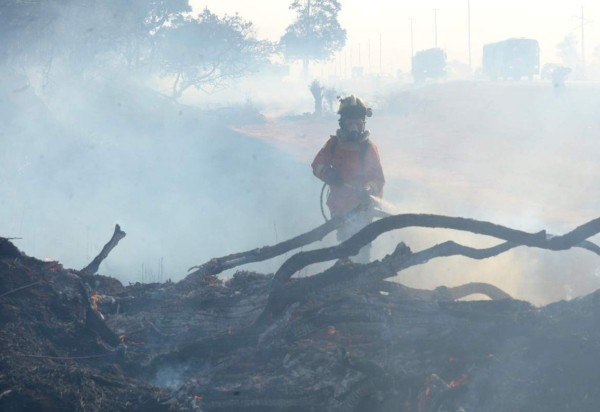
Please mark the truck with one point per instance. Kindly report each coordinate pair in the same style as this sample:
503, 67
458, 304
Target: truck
428, 64
511, 59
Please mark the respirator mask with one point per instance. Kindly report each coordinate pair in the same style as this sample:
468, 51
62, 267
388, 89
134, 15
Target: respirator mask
354, 129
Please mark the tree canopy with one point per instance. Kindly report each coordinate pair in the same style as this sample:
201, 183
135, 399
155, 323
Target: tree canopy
316, 33
206, 51
87, 38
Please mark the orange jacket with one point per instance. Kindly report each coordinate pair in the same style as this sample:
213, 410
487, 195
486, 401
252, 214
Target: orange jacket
358, 165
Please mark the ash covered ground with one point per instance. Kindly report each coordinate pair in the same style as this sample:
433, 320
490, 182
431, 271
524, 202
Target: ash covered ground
74, 341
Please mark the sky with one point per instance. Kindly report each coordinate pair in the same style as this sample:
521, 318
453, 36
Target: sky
369, 22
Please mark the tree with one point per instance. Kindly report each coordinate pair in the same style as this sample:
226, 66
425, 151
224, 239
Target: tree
207, 51
316, 34
568, 51
82, 34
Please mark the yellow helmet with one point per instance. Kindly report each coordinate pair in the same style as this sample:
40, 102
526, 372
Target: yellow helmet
353, 106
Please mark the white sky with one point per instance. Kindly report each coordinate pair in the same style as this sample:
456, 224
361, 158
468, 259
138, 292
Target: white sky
547, 21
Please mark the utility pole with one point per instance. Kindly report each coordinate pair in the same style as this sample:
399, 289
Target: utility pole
359, 56
584, 21
380, 54
412, 39
435, 25
582, 38
469, 29
369, 54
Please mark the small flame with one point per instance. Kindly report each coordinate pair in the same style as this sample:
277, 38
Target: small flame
122, 338
95, 297
458, 381
198, 397
331, 330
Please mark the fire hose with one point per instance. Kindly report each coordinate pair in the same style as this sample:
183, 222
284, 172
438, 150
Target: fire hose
383, 208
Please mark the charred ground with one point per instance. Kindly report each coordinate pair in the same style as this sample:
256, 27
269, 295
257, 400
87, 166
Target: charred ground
193, 345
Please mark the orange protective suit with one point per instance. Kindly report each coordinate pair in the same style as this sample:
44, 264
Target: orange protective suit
358, 165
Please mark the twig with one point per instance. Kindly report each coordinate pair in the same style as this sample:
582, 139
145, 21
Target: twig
19, 288
23, 355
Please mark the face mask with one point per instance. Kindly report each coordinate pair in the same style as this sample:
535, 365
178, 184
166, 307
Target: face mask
353, 130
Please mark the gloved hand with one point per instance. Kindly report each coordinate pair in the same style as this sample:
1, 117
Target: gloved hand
332, 177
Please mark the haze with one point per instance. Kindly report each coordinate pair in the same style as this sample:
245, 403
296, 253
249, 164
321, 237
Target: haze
85, 145
547, 21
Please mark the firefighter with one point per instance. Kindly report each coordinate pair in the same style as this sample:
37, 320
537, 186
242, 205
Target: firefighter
349, 163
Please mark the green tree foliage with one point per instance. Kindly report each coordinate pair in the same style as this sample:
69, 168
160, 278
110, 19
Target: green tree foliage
207, 51
316, 34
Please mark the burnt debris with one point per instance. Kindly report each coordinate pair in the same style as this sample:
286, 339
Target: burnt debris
342, 340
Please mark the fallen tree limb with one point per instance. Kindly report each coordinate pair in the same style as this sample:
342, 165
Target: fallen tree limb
517, 237
92, 268
473, 288
284, 292
218, 265
442, 293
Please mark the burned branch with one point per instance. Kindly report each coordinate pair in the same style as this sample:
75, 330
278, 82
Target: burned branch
218, 265
375, 229
112, 243
441, 293
284, 293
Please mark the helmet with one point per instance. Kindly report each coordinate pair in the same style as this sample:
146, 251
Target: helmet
353, 106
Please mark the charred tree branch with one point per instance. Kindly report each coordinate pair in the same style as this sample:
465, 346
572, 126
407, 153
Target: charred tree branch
441, 293
371, 232
218, 265
92, 268
285, 292
473, 288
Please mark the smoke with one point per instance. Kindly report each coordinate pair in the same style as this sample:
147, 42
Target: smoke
82, 156
510, 153
190, 181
